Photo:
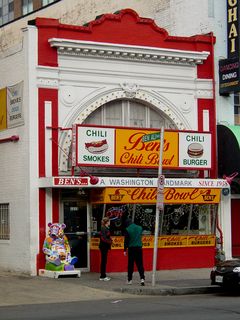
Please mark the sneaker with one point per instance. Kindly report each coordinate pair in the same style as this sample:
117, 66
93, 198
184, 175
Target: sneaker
129, 282
142, 282
105, 279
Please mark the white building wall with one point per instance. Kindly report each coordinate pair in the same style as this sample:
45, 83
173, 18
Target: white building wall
14, 170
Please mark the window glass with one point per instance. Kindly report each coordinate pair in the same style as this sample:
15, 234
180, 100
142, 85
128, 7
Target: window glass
46, 2
137, 115
27, 6
6, 11
4, 221
113, 114
129, 113
186, 219
155, 120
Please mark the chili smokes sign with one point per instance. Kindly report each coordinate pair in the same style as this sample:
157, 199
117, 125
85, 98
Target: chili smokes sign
127, 147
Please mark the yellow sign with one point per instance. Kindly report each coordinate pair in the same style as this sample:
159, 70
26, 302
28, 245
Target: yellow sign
132, 151
3, 109
173, 241
149, 195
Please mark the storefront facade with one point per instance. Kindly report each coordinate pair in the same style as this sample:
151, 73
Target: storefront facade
188, 229
123, 72
98, 72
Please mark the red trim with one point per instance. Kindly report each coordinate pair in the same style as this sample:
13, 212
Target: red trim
48, 95
208, 104
168, 259
9, 139
123, 27
54, 99
41, 132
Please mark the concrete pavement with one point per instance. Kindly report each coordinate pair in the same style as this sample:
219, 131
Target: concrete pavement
17, 289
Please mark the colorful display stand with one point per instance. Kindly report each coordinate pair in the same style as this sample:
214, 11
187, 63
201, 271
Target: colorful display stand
57, 274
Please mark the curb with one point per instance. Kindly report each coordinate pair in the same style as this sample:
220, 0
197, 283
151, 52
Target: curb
170, 291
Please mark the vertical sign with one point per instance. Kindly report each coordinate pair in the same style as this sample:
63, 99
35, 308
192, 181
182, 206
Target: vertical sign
229, 76
14, 105
233, 28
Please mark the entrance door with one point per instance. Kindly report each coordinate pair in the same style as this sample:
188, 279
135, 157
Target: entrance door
75, 218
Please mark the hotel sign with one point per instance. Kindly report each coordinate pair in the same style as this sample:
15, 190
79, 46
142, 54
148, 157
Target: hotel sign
124, 147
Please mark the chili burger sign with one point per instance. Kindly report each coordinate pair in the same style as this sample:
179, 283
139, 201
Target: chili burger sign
125, 147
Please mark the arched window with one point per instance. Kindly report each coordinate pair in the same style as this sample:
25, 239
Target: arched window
129, 113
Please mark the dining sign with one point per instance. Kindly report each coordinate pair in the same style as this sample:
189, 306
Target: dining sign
129, 147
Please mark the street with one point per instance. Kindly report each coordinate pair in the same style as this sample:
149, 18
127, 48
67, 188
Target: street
197, 307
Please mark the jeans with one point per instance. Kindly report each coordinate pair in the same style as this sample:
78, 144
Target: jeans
135, 256
104, 253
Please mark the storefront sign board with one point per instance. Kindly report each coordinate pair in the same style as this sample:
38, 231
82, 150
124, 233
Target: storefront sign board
128, 147
175, 241
76, 182
149, 195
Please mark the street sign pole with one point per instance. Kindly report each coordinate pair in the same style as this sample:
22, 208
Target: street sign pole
159, 206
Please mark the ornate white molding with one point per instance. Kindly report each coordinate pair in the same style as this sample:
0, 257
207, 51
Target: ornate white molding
47, 77
47, 83
127, 52
130, 89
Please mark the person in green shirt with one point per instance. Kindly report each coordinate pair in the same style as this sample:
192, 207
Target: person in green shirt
133, 248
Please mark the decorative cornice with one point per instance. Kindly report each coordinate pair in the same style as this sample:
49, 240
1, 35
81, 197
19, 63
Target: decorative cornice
127, 53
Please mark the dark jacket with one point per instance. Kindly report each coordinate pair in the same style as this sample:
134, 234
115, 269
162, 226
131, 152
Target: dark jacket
133, 236
105, 238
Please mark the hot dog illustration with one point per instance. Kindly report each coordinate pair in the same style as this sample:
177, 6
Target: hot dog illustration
97, 146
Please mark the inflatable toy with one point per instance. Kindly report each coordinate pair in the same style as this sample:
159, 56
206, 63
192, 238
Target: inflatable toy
57, 250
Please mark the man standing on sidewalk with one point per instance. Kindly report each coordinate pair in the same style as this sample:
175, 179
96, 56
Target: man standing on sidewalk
133, 248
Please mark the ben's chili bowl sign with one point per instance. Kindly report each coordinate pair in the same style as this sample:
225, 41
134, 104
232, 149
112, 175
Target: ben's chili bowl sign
125, 147
132, 151
149, 195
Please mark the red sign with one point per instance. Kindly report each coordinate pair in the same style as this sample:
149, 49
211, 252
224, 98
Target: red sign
71, 181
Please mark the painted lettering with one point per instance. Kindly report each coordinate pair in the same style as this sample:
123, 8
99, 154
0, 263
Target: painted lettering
136, 143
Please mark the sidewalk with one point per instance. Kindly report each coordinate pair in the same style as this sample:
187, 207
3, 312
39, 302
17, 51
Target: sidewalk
167, 282
16, 289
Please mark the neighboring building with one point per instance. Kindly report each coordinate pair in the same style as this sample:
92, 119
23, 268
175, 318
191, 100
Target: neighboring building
121, 72
11, 10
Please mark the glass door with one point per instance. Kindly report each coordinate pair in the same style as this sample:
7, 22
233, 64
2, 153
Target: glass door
76, 220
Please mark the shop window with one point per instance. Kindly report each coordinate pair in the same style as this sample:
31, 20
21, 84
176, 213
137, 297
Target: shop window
185, 219
188, 219
4, 221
